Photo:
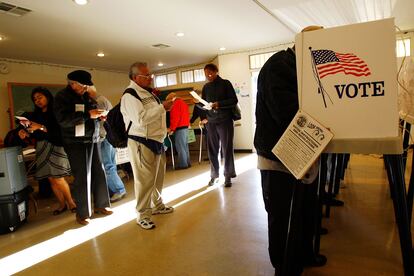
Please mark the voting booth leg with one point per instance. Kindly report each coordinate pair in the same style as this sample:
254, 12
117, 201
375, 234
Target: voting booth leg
410, 193
406, 140
321, 187
387, 166
395, 165
344, 165
338, 174
346, 162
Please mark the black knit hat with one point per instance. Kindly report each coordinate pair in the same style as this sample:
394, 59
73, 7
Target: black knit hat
81, 76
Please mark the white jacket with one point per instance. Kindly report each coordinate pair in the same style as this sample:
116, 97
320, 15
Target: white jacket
147, 116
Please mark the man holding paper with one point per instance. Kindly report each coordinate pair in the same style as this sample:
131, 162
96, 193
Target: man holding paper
222, 98
276, 106
77, 114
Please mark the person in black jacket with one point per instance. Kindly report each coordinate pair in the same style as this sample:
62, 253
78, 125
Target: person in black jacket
277, 104
78, 116
220, 126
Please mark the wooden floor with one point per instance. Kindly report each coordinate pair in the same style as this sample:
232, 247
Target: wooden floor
213, 231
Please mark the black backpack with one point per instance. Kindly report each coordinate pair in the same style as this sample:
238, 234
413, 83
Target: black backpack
114, 125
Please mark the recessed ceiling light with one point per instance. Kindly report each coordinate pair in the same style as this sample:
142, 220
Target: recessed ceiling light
160, 64
1, 38
222, 48
100, 54
179, 34
81, 2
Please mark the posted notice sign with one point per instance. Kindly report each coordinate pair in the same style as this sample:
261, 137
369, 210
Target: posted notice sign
347, 79
301, 143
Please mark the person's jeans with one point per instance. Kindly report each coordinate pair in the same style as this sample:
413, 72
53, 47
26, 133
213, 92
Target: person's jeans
181, 145
115, 183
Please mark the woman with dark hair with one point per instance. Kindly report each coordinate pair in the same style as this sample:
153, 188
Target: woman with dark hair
51, 159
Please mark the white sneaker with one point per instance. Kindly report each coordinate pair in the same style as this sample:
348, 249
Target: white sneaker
164, 210
117, 197
146, 223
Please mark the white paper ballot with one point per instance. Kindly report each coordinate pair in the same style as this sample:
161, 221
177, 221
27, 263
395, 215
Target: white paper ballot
301, 143
104, 112
23, 121
206, 105
21, 118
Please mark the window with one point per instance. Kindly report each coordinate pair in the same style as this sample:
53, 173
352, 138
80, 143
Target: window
161, 81
257, 61
187, 76
403, 47
172, 79
199, 75
195, 75
166, 80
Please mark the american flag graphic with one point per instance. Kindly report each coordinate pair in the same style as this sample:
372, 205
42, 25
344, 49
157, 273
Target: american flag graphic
329, 63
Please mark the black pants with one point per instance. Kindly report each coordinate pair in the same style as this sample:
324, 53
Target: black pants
221, 133
278, 188
90, 179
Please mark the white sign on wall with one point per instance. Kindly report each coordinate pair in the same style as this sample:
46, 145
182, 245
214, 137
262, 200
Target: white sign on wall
347, 79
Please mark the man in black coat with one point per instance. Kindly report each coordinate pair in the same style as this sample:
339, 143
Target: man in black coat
78, 116
277, 104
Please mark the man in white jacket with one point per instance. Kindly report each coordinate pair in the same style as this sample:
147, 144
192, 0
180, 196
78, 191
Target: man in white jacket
147, 131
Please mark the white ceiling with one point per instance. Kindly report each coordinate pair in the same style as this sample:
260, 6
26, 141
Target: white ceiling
59, 31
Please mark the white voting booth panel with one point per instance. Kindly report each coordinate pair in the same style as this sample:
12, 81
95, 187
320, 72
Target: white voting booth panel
347, 82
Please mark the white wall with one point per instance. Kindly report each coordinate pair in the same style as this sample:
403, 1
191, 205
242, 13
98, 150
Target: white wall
235, 68
109, 84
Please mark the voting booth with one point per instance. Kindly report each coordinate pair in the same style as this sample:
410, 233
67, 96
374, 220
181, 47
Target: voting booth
347, 81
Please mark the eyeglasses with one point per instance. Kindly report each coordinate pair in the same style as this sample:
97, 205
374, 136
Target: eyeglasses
149, 76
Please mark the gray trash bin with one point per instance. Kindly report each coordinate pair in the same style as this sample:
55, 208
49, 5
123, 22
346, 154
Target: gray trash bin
14, 190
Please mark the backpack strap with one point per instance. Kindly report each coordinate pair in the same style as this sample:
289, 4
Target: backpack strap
135, 94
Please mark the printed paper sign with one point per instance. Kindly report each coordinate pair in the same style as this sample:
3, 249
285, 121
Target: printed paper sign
347, 79
301, 143
80, 128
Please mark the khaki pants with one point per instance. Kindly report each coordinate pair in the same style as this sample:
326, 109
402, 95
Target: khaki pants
149, 171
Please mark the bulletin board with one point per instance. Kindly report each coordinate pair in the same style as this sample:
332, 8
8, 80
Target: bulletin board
20, 97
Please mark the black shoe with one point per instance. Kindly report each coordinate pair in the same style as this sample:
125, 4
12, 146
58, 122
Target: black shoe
332, 201
60, 211
316, 261
335, 202
212, 181
227, 182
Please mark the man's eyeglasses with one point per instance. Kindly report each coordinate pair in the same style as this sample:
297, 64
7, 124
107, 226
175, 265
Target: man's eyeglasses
149, 76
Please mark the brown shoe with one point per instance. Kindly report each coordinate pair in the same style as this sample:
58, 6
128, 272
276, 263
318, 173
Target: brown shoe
83, 221
104, 211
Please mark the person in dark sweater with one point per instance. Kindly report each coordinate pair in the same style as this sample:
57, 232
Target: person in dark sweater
276, 105
220, 93
77, 115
